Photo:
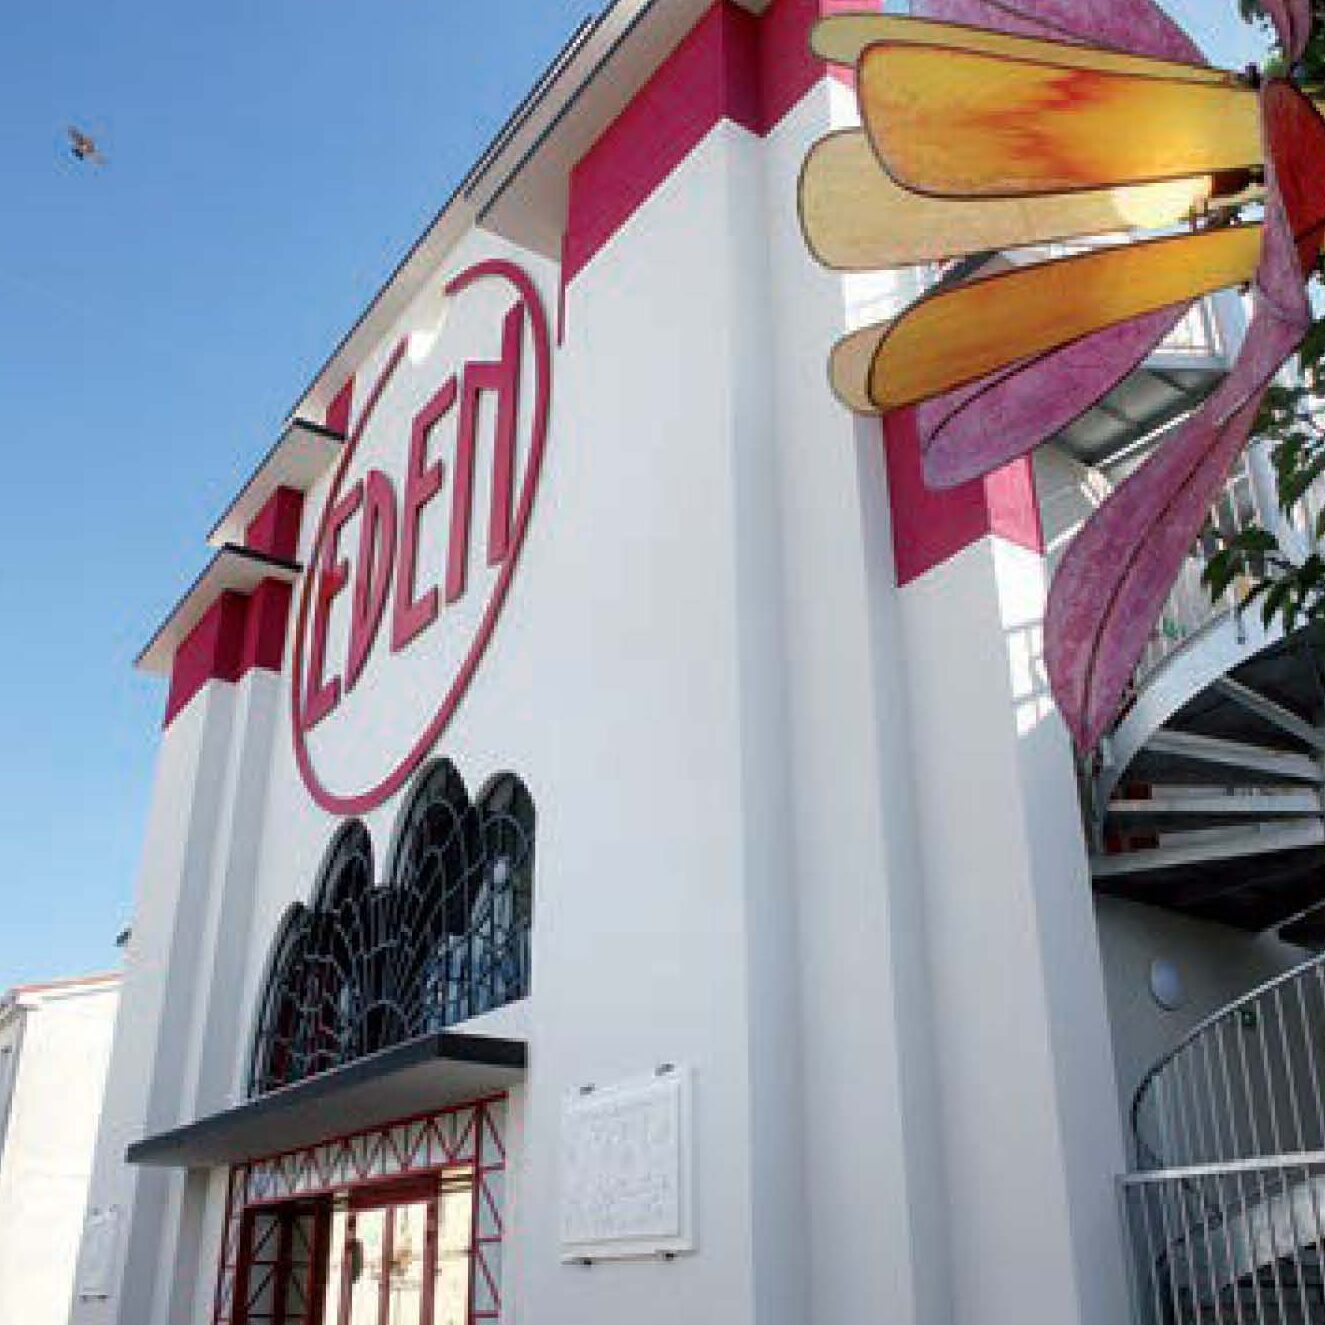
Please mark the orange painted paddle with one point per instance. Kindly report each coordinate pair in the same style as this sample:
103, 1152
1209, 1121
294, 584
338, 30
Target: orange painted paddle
968, 125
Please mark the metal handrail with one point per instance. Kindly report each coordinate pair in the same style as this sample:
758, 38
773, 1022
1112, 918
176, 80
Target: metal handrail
1229, 1009
1188, 608
1226, 1219
1282, 1071
1229, 1168
1235, 1244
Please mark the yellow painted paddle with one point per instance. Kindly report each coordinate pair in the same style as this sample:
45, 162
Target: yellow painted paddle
959, 335
855, 217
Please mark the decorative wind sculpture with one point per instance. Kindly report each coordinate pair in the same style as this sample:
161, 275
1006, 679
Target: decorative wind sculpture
999, 124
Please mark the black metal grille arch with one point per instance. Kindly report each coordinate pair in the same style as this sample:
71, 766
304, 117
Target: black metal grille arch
444, 938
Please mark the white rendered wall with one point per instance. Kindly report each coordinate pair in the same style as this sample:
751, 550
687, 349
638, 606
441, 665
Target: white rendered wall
11, 1044
186, 959
178, 842
1031, 1140
46, 1158
691, 702
875, 1214
810, 836
611, 688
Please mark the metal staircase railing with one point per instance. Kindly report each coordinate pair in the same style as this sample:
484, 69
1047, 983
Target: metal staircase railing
1243, 502
1224, 704
1190, 608
1226, 1214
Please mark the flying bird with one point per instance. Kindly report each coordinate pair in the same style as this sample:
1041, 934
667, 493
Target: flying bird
84, 147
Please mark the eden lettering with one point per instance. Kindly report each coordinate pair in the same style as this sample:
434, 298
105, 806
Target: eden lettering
386, 563
393, 582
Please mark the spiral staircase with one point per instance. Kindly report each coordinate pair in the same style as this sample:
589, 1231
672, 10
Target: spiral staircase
1208, 799
1226, 1209
1210, 792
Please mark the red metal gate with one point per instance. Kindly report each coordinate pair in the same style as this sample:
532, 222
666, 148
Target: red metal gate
277, 1243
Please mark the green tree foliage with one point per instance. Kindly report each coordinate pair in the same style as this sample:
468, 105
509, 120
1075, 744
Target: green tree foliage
1311, 75
1292, 419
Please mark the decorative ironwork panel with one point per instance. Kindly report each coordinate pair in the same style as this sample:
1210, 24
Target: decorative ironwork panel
445, 938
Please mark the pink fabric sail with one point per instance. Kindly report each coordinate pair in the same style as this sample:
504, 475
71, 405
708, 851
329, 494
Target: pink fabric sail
1118, 571
984, 425
1138, 27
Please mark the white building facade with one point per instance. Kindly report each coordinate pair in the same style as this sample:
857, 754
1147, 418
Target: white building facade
613, 855
54, 1050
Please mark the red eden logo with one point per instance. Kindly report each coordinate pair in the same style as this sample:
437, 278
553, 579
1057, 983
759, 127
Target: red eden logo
389, 595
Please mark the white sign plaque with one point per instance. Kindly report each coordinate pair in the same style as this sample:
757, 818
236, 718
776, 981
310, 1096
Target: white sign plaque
626, 1169
100, 1243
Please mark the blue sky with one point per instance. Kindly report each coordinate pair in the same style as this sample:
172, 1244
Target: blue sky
270, 161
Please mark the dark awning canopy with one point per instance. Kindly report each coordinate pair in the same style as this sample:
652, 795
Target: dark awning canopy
431, 1072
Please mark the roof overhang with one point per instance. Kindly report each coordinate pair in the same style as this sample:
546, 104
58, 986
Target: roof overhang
427, 1073
232, 568
519, 186
300, 456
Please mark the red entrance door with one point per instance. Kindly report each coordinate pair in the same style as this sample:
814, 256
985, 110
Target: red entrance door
395, 1255
402, 1257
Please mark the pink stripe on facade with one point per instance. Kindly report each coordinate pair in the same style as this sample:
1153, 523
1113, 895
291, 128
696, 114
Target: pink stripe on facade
238, 634
710, 76
265, 626
274, 530
731, 66
788, 68
242, 632
753, 71
212, 650
931, 526
338, 412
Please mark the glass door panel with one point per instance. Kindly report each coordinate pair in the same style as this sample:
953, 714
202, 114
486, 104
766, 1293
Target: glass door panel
405, 1261
368, 1275
455, 1214
337, 1267
408, 1225
278, 1279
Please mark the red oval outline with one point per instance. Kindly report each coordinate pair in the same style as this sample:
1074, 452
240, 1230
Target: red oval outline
368, 800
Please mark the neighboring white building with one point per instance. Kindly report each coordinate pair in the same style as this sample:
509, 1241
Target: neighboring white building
614, 857
54, 1049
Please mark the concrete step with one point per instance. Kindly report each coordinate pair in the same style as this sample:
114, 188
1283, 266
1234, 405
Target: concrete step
1183, 850
1214, 759
1178, 810
1273, 713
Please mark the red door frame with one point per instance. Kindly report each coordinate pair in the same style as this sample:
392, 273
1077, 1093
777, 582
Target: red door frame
286, 1214
414, 1189
313, 1176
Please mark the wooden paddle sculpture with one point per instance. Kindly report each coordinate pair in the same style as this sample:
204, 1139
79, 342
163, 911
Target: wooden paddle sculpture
997, 124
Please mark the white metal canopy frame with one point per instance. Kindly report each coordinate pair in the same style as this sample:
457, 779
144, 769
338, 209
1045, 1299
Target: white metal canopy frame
364, 968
